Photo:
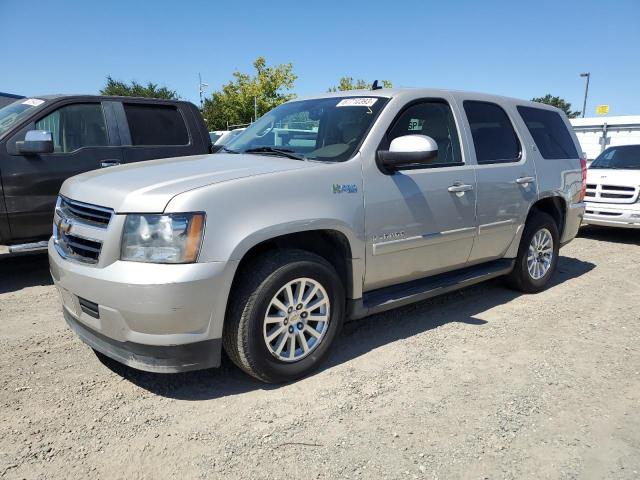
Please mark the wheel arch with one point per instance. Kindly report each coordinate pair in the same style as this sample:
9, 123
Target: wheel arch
553, 205
331, 244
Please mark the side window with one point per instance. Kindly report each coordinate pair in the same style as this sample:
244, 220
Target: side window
549, 132
75, 126
494, 139
155, 125
434, 119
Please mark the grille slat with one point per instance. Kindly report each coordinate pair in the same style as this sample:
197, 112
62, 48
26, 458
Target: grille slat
90, 214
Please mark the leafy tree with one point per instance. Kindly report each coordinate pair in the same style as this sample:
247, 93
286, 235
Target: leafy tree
348, 83
270, 86
558, 103
135, 89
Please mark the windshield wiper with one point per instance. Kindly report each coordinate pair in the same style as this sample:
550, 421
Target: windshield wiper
228, 150
284, 152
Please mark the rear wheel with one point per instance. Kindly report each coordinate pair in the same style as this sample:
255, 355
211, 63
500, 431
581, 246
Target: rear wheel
284, 315
538, 254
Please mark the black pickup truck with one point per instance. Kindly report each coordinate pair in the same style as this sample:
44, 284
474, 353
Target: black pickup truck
45, 140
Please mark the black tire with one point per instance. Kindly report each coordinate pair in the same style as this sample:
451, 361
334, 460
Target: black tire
252, 293
520, 278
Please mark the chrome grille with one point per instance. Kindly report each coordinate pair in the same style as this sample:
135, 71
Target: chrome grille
79, 229
89, 214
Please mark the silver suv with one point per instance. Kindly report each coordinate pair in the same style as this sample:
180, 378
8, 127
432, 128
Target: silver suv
325, 209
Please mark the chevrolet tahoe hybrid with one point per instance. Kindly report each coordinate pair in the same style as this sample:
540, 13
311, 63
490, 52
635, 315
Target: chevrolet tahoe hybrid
325, 209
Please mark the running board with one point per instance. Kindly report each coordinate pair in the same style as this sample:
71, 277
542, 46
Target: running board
396, 296
23, 248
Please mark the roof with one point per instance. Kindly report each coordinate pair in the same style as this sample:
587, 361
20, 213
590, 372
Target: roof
427, 92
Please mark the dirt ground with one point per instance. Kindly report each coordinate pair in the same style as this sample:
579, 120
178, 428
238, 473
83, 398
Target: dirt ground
482, 383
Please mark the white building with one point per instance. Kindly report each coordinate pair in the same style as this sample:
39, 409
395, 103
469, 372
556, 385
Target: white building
597, 133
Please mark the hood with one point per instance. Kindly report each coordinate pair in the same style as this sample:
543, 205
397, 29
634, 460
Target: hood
147, 187
613, 176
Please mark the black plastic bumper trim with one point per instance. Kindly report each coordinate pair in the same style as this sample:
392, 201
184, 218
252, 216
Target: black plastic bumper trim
151, 358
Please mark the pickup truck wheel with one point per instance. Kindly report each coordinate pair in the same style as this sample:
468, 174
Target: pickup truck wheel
538, 254
284, 316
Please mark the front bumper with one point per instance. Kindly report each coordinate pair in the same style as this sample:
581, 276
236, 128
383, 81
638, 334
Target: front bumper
159, 318
613, 215
151, 358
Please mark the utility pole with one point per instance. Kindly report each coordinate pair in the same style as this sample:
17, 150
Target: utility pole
201, 87
586, 91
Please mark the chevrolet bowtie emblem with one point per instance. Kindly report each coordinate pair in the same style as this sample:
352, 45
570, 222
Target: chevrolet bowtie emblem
64, 225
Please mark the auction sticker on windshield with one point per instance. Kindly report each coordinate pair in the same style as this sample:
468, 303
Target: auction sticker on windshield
357, 102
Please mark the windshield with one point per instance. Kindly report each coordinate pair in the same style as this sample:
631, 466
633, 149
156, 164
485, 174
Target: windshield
328, 129
16, 111
625, 157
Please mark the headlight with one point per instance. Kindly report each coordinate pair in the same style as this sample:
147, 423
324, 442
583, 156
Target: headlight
173, 238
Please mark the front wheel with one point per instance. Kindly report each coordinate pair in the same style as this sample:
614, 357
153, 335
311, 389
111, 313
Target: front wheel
538, 254
284, 315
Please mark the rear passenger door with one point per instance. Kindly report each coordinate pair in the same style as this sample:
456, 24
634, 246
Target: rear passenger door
506, 177
155, 130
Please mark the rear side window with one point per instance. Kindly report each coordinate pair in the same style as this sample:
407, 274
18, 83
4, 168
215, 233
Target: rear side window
494, 139
549, 132
155, 125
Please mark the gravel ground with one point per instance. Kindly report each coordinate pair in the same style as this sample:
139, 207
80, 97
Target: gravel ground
482, 383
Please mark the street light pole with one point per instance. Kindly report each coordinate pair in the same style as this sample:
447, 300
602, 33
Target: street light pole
586, 91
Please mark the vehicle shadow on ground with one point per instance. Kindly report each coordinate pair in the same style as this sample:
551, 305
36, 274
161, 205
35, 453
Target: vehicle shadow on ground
357, 338
17, 273
629, 236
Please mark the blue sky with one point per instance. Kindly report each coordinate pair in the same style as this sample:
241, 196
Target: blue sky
515, 48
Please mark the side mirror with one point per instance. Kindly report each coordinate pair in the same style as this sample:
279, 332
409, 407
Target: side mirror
35, 142
408, 152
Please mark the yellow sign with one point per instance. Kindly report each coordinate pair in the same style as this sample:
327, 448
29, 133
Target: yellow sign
602, 109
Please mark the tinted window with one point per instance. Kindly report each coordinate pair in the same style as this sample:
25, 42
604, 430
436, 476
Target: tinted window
625, 157
549, 132
76, 126
156, 125
325, 129
493, 135
435, 120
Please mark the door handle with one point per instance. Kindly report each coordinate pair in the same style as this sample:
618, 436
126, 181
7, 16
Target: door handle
109, 163
460, 187
525, 180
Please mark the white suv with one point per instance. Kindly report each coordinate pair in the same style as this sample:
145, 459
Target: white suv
613, 188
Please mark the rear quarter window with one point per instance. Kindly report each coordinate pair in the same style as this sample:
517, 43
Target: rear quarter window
155, 125
549, 132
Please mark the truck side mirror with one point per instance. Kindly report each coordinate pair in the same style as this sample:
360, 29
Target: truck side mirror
35, 142
407, 152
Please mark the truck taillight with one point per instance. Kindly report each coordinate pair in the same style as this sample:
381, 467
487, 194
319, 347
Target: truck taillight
583, 167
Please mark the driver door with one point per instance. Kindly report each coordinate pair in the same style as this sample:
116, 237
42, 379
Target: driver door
32, 182
416, 225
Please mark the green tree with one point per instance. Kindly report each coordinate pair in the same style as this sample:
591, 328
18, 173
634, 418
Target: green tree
135, 89
234, 103
557, 102
348, 83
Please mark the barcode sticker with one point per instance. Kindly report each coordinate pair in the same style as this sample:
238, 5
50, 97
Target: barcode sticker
357, 102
